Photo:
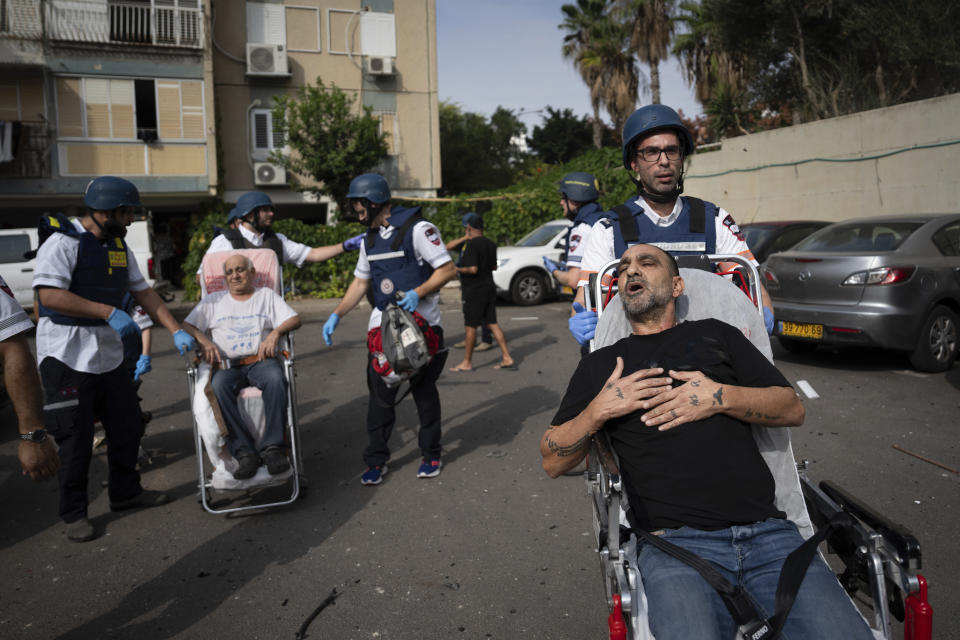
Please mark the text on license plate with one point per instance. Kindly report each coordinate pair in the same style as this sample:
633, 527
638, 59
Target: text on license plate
802, 330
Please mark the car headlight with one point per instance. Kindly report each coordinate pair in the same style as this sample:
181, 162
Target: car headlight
502, 261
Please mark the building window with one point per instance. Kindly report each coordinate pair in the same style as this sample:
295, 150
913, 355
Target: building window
303, 29
130, 109
265, 134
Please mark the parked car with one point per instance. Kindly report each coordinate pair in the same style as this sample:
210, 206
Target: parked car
520, 274
890, 282
17, 270
765, 238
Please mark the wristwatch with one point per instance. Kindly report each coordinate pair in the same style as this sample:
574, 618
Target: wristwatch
38, 435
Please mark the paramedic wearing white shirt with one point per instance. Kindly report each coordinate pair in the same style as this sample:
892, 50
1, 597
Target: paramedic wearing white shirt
416, 265
84, 268
251, 223
655, 143
36, 452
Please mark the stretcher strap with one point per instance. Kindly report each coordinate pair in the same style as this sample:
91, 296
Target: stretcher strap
736, 599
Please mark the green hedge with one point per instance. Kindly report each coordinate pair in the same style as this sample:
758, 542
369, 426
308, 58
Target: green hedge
508, 215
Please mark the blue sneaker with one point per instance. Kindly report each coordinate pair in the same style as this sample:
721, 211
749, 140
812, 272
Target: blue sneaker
429, 469
373, 475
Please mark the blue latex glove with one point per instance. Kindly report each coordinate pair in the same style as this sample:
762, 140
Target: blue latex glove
143, 366
183, 341
583, 324
122, 323
409, 301
550, 265
768, 320
328, 328
352, 244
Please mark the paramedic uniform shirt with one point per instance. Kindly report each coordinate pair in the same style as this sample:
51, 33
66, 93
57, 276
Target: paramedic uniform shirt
94, 349
13, 319
292, 251
706, 474
428, 248
599, 247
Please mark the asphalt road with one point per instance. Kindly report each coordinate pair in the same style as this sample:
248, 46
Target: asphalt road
492, 548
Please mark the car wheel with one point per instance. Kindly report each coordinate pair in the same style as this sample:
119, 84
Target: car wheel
799, 347
529, 287
937, 346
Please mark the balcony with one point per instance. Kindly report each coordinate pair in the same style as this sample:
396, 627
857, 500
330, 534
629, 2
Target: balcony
32, 152
159, 23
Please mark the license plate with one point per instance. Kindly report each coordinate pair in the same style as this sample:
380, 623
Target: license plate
801, 330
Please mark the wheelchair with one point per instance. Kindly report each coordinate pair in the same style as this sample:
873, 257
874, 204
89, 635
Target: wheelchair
880, 559
211, 449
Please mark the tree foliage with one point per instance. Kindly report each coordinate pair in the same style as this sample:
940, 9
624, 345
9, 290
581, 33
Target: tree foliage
477, 153
331, 142
561, 136
762, 63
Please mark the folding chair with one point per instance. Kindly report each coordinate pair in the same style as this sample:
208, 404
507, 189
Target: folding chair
207, 433
878, 556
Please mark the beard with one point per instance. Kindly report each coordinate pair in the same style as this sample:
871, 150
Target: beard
649, 304
114, 229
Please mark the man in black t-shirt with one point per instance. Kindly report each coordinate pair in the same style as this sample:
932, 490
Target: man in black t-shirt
677, 401
479, 293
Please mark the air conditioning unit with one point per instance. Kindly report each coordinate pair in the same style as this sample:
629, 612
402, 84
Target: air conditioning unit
267, 174
266, 60
380, 66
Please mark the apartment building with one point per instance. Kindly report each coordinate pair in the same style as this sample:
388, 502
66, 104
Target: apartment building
95, 87
381, 51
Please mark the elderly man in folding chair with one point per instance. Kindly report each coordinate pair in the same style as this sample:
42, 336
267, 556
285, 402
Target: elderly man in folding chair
245, 324
676, 401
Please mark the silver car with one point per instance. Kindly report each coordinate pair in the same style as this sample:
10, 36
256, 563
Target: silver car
891, 282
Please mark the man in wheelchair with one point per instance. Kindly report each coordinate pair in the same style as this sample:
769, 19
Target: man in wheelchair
677, 401
245, 325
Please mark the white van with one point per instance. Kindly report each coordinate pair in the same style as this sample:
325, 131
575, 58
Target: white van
18, 271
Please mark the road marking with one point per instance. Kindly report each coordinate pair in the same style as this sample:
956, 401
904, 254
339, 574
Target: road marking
525, 318
807, 389
915, 374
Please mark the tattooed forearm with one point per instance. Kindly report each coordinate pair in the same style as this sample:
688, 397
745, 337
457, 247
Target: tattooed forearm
694, 400
562, 451
718, 396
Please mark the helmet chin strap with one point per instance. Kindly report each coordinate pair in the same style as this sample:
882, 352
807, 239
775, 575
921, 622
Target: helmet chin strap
109, 230
659, 198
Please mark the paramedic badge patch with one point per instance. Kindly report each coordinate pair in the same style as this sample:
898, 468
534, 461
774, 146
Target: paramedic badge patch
386, 286
433, 235
574, 242
734, 229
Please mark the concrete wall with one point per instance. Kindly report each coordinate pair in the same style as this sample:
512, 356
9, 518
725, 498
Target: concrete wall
740, 176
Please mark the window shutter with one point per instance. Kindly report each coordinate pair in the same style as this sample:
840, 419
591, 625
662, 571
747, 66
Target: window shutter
261, 130
69, 107
266, 23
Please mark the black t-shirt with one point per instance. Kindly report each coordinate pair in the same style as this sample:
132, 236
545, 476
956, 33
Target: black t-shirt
707, 474
480, 252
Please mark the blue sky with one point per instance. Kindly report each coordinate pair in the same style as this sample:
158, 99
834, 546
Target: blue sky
507, 52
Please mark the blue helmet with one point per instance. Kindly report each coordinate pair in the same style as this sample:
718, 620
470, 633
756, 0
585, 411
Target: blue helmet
580, 186
247, 203
371, 186
107, 193
648, 119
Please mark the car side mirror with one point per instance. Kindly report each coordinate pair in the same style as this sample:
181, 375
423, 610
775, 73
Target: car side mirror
561, 243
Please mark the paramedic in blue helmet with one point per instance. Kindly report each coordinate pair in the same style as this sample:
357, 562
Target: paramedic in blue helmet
655, 144
579, 192
250, 225
84, 268
401, 254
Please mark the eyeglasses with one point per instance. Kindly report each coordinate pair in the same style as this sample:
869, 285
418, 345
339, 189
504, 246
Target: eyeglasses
652, 154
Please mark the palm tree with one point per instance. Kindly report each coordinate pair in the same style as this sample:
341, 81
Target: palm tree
598, 45
651, 31
707, 66
578, 21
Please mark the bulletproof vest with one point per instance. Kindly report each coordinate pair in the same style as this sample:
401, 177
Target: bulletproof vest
693, 233
588, 214
100, 273
270, 241
393, 262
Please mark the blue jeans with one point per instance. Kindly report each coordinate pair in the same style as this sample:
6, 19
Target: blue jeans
684, 605
266, 375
